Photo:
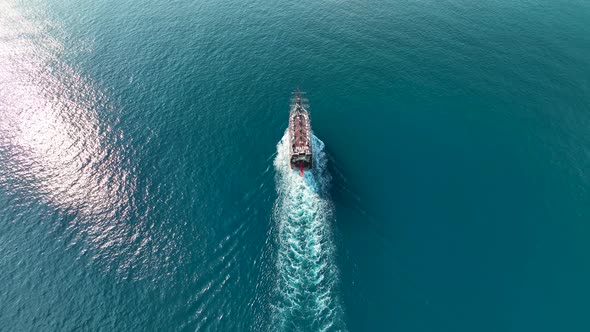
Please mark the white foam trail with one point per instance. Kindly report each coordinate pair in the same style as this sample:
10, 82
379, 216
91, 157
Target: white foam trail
308, 277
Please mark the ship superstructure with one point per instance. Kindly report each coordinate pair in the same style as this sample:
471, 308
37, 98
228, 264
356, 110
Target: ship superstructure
300, 133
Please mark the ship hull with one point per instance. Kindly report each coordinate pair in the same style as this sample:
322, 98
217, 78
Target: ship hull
300, 135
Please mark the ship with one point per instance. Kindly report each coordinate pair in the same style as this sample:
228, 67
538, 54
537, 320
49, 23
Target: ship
300, 133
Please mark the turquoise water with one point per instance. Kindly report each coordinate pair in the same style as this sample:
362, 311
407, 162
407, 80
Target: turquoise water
143, 185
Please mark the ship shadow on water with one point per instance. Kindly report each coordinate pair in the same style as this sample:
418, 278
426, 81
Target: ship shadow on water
356, 221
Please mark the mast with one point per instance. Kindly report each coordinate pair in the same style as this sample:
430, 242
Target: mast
299, 103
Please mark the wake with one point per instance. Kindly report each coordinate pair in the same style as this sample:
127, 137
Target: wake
307, 273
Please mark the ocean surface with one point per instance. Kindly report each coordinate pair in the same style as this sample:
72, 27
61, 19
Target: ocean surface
144, 184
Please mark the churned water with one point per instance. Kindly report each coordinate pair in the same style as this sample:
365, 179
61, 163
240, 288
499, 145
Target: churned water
308, 297
142, 187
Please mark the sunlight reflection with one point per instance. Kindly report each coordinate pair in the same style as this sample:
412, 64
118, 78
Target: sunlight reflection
50, 132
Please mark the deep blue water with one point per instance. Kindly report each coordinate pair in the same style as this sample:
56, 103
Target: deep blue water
143, 184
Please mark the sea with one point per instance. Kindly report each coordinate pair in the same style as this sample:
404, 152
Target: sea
145, 183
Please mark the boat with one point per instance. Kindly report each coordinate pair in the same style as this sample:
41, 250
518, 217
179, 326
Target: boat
300, 133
